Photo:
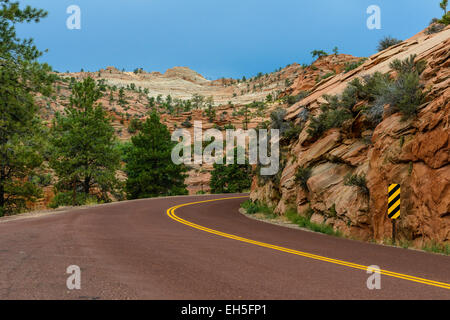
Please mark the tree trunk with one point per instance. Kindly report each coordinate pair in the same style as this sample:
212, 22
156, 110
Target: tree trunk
2, 190
74, 194
87, 186
2, 198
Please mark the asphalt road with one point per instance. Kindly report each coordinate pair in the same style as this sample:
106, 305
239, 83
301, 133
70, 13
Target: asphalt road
134, 250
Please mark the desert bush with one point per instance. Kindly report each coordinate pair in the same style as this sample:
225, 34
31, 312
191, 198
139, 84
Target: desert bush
387, 42
256, 207
303, 115
302, 176
357, 181
305, 222
435, 28
278, 122
408, 65
349, 66
333, 116
290, 100
328, 75
186, 124
318, 53
292, 133
404, 94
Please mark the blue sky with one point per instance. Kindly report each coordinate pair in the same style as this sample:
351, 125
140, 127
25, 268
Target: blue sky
229, 38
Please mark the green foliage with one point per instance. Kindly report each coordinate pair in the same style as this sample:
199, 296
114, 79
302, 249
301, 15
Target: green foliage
21, 133
349, 66
443, 5
122, 100
305, 222
357, 181
290, 100
445, 19
257, 207
318, 53
210, 112
328, 75
333, 115
83, 153
409, 65
302, 176
135, 126
186, 123
277, 121
231, 178
404, 94
288, 131
123, 148
67, 198
435, 28
292, 133
332, 213
387, 42
435, 247
150, 170
42, 180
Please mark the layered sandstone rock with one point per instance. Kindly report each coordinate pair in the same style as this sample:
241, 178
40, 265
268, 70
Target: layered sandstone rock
413, 153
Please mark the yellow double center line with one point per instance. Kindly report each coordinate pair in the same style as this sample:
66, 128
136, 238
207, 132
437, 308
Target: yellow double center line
172, 215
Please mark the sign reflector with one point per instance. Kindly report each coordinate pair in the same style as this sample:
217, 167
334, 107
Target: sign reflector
394, 201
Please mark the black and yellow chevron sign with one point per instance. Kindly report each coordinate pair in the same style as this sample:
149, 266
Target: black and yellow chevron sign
394, 201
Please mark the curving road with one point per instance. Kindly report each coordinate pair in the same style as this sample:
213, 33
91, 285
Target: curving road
207, 250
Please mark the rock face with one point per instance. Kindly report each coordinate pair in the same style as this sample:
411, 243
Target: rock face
413, 153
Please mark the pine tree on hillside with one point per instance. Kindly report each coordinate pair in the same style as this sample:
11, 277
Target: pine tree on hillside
21, 77
82, 148
150, 170
231, 178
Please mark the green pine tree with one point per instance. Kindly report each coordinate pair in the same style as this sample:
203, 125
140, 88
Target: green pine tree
83, 153
21, 77
150, 170
232, 178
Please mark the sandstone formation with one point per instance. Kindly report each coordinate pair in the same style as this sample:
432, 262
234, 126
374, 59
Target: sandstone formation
413, 153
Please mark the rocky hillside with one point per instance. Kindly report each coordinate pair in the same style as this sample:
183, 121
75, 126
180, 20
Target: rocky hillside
339, 176
182, 96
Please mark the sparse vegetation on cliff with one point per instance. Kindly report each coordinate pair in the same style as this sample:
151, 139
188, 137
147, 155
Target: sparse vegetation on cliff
318, 54
302, 176
333, 114
387, 42
358, 181
403, 94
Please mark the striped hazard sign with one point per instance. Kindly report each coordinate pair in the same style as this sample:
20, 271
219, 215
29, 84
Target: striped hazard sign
394, 201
